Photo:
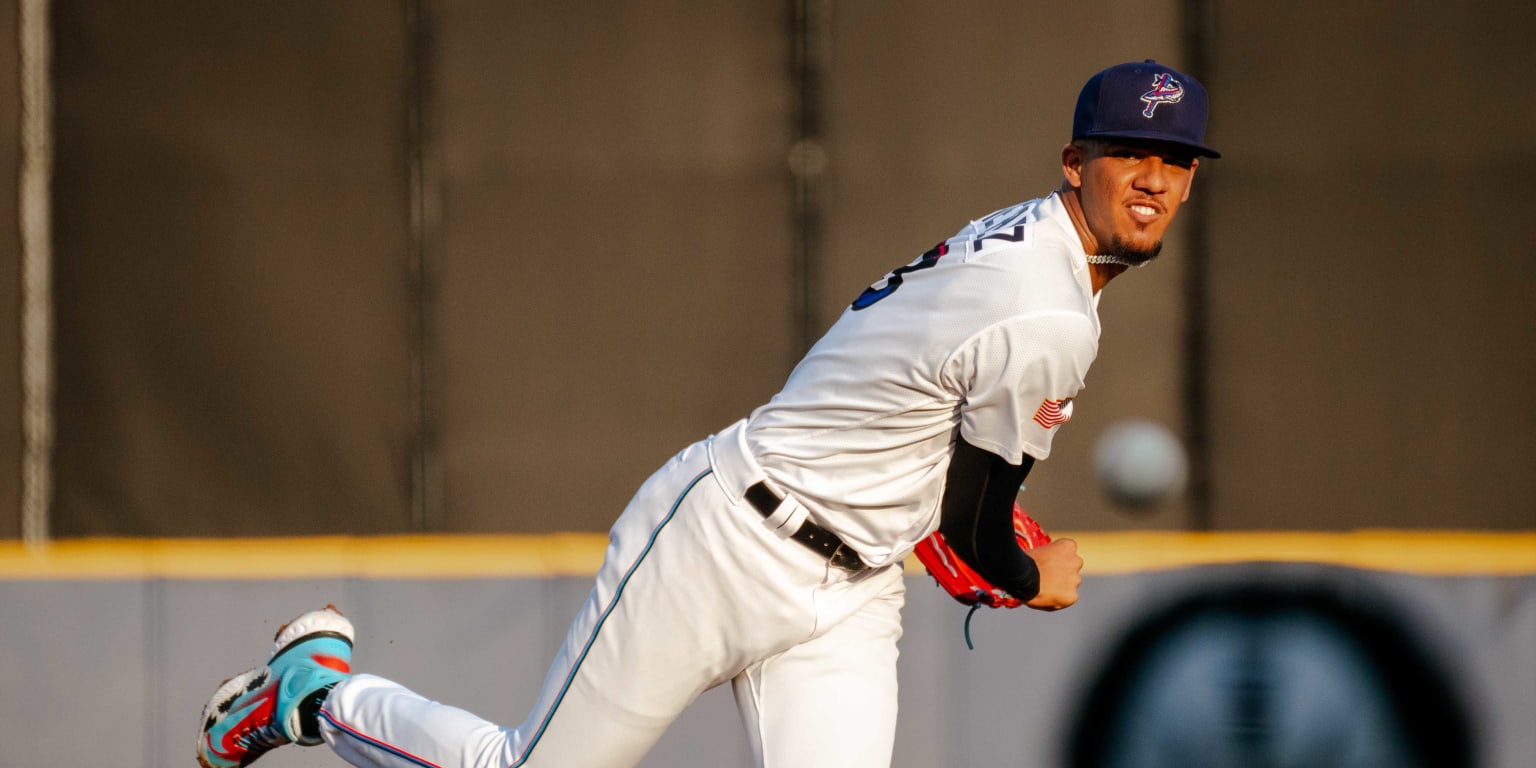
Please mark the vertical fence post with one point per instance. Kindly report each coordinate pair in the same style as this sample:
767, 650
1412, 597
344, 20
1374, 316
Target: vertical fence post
35, 193
1197, 35
807, 162
423, 217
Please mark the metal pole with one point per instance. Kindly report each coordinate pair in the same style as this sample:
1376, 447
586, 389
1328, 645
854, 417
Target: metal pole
807, 164
423, 203
1198, 34
35, 196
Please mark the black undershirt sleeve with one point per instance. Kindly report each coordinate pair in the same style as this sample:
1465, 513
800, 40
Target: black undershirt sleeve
977, 518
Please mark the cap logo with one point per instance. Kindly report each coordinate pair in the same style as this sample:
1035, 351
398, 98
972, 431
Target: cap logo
1165, 90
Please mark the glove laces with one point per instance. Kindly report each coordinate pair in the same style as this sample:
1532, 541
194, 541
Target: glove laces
968, 645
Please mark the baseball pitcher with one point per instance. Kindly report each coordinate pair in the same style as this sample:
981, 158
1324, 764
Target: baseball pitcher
769, 556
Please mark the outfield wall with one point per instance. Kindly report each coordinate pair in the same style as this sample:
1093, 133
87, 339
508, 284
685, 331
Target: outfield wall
133, 644
479, 267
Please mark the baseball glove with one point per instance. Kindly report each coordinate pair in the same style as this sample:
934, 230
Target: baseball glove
965, 584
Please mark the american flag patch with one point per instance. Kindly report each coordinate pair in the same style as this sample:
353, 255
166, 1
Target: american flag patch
1054, 413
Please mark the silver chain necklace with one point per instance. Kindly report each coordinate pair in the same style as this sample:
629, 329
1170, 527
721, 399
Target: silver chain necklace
1104, 258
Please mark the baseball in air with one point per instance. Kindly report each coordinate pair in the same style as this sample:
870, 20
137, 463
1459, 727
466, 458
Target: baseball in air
1139, 464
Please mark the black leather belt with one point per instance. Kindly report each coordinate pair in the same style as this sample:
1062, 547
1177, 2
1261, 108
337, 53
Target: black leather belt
819, 539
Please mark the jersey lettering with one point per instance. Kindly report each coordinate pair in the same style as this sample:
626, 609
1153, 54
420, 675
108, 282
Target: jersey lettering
1013, 237
992, 221
894, 280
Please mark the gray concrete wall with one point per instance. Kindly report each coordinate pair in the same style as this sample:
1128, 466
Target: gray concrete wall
137, 659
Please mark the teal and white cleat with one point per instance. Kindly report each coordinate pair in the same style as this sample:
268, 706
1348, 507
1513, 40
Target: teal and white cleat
275, 704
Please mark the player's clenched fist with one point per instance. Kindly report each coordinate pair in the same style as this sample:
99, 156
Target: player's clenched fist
1060, 575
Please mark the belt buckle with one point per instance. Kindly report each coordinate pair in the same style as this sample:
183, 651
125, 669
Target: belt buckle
847, 559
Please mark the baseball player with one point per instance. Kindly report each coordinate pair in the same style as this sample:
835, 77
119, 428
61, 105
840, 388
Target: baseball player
769, 556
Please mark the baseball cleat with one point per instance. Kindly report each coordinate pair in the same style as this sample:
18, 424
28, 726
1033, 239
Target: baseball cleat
275, 704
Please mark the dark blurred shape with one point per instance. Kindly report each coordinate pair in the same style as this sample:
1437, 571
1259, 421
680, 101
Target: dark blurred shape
1264, 674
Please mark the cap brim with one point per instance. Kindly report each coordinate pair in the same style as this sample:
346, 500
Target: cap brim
1157, 136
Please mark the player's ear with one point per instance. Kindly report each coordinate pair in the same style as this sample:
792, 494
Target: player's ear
1072, 159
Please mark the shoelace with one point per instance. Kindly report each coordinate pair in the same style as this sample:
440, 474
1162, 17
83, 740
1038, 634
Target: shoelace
258, 740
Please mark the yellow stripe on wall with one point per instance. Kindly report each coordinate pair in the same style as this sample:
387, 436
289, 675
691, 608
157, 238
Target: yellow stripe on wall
384, 557
1437, 553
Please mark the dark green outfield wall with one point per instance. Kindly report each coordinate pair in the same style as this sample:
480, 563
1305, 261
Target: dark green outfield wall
447, 265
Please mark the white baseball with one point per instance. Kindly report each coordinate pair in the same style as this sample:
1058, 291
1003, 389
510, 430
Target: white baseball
1140, 463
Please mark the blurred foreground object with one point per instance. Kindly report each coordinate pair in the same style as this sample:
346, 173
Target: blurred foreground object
1267, 674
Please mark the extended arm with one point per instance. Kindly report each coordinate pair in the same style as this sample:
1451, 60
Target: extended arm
977, 525
977, 520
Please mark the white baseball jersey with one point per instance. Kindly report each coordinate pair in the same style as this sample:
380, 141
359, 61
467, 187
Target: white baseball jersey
991, 332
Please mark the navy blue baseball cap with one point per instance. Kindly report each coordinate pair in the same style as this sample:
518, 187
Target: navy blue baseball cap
1143, 100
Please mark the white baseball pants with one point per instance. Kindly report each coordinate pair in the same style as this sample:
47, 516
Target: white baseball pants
695, 590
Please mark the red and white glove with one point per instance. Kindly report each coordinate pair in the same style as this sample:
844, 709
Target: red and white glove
966, 585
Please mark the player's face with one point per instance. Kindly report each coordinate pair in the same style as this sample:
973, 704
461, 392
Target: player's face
1129, 192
